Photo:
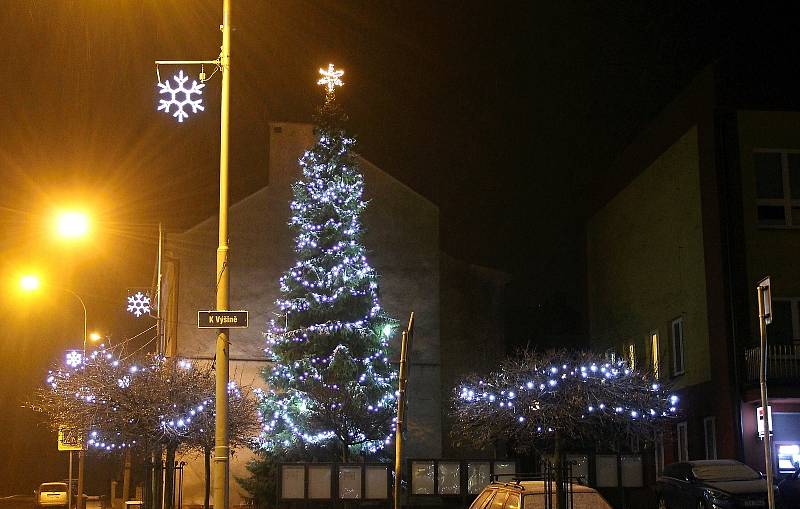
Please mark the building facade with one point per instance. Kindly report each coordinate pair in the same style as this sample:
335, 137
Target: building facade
402, 239
701, 210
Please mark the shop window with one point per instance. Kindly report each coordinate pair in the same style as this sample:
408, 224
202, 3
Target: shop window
710, 432
683, 441
777, 187
677, 347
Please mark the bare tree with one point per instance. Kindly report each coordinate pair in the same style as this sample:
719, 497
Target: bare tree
541, 400
157, 403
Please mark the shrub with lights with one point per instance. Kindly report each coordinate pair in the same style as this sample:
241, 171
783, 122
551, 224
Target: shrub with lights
155, 403
535, 396
551, 401
332, 384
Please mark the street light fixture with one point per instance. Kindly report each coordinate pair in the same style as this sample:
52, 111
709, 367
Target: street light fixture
29, 283
72, 224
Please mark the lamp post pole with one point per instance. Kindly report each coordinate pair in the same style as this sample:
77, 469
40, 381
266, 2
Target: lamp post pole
764, 313
221, 460
82, 452
221, 447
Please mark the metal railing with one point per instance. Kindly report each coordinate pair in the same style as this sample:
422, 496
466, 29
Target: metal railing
783, 363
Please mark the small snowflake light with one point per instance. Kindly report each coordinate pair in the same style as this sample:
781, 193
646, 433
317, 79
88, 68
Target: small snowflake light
138, 304
330, 78
181, 96
73, 358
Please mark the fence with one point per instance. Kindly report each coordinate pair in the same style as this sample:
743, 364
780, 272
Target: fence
156, 487
449, 482
783, 362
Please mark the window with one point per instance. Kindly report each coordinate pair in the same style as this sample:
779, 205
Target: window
512, 502
785, 326
677, 347
499, 500
683, 442
777, 187
710, 432
482, 499
654, 352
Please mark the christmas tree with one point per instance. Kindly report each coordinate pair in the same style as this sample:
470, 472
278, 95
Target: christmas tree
332, 383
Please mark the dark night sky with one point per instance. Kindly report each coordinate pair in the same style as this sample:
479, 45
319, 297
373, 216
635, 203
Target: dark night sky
506, 114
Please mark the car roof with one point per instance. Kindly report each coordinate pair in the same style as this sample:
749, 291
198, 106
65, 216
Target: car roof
535, 487
710, 463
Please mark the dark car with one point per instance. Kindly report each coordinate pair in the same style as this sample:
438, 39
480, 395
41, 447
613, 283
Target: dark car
789, 489
710, 484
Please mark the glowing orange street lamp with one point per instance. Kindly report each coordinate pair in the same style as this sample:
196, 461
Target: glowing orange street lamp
29, 283
72, 224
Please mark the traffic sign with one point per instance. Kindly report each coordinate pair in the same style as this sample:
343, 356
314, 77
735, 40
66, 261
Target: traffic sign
766, 299
222, 319
69, 440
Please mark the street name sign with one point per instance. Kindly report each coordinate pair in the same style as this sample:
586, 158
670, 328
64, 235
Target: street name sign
222, 319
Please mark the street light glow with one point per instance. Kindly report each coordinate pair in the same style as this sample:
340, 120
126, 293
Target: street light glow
94, 336
72, 224
30, 283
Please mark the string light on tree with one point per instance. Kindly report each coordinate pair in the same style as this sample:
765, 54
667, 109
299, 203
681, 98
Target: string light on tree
158, 401
332, 381
578, 395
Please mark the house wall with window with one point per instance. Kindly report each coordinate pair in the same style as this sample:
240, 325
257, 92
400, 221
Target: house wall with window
705, 202
646, 268
657, 255
770, 167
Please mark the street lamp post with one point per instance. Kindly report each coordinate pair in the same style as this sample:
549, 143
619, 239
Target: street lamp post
221, 467
82, 452
31, 283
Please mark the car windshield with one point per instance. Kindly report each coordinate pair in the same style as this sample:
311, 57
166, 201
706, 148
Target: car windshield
725, 472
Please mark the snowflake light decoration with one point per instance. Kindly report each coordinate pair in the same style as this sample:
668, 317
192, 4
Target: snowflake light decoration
138, 304
73, 358
181, 96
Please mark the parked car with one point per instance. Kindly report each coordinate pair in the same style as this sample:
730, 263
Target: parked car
710, 484
533, 495
51, 494
789, 489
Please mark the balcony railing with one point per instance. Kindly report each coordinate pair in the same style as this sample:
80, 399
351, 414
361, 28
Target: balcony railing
783, 363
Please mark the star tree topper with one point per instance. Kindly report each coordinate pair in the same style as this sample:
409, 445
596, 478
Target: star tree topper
330, 78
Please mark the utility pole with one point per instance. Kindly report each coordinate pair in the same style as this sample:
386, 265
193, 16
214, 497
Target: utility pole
405, 347
764, 293
221, 447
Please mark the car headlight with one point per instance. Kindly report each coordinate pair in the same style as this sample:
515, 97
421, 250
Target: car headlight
718, 496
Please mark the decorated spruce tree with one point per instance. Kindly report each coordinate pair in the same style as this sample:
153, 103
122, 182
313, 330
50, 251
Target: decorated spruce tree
332, 383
